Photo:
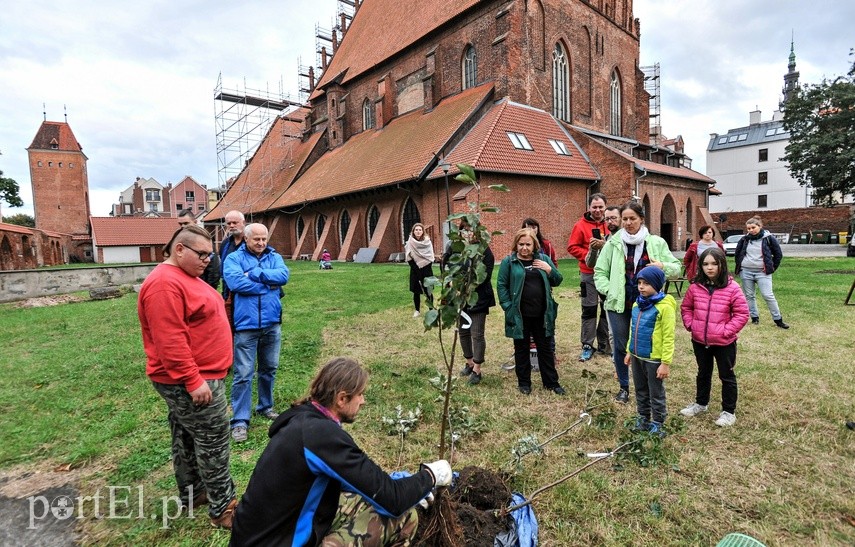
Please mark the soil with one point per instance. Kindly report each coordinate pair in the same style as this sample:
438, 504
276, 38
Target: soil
476, 496
54, 300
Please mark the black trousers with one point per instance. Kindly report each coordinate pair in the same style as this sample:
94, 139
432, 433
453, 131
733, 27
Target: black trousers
533, 329
725, 359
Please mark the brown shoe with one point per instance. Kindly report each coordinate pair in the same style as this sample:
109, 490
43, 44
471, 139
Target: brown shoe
225, 518
198, 501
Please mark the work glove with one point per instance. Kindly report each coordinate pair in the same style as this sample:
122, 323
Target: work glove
441, 471
427, 501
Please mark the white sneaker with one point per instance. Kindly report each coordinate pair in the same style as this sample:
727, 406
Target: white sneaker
693, 410
726, 419
416, 313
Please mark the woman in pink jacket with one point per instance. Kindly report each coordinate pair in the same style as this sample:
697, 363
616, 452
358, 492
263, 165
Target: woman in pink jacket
714, 310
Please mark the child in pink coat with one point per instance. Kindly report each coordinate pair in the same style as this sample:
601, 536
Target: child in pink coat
714, 310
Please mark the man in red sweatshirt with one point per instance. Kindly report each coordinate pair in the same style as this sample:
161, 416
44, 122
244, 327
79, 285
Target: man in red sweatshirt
590, 230
188, 345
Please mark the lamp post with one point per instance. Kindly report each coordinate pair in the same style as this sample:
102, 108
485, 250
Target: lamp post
445, 166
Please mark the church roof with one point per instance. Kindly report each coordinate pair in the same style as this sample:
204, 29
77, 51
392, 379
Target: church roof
398, 152
55, 136
280, 158
490, 145
131, 231
383, 28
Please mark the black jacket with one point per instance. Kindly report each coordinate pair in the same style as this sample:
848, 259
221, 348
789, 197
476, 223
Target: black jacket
772, 254
293, 494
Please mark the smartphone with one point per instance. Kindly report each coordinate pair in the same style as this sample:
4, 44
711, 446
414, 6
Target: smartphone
596, 233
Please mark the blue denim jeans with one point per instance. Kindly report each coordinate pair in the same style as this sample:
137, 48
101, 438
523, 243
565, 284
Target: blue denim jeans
763, 282
619, 327
263, 343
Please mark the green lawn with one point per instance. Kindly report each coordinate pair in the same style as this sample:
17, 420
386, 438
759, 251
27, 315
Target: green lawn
75, 394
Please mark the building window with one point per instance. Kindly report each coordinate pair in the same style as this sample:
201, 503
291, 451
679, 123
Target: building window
762, 200
152, 207
319, 226
367, 115
70, 165
559, 147
60, 165
201, 207
615, 105
189, 195
179, 206
50, 164
301, 225
343, 226
373, 219
470, 67
763, 154
152, 195
519, 141
40, 163
763, 177
410, 218
560, 84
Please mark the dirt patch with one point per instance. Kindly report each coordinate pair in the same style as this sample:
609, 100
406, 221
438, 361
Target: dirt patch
54, 300
476, 495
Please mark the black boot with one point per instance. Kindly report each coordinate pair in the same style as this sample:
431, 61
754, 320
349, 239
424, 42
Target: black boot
755, 320
780, 323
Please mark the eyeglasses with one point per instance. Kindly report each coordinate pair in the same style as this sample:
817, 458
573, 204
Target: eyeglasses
203, 255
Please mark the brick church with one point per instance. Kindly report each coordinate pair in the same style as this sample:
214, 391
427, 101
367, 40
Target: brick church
544, 96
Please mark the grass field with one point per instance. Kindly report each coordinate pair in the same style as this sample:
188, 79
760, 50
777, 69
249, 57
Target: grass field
76, 400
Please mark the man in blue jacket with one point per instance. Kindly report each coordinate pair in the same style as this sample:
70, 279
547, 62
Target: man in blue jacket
255, 274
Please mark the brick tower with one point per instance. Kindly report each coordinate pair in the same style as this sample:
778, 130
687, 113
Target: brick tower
60, 184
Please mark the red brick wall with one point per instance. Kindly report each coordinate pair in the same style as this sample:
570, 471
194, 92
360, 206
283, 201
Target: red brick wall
790, 221
33, 250
60, 191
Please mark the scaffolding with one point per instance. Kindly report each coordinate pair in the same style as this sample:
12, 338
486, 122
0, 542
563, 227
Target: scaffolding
242, 120
652, 87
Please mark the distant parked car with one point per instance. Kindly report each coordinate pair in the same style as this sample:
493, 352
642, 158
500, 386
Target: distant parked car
730, 244
850, 249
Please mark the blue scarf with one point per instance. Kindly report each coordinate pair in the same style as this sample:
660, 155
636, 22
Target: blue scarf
644, 302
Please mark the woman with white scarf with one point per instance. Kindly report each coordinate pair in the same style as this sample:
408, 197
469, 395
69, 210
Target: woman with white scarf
621, 258
419, 255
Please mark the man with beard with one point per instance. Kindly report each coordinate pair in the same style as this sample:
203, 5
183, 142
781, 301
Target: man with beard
235, 224
588, 231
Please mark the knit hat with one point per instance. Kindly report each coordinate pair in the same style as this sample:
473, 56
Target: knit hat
654, 277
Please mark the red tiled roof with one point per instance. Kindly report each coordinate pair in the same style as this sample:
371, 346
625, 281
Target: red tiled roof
487, 147
58, 133
653, 167
131, 231
382, 28
271, 170
4, 227
398, 152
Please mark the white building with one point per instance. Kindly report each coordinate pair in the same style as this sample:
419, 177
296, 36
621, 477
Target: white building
747, 163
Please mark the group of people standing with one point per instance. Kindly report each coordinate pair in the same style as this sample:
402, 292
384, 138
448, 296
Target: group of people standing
312, 483
623, 271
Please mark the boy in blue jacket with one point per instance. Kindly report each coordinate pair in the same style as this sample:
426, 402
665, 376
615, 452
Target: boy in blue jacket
650, 348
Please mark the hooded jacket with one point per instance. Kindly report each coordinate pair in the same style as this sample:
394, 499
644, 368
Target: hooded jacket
292, 496
651, 331
580, 239
510, 285
255, 283
772, 254
610, 271
714, 318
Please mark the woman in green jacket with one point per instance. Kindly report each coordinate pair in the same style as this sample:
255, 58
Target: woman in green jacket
526, 278
621, 258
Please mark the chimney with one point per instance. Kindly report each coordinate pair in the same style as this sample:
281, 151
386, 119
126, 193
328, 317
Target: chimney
334, 41
754, 117
324, 57
343, 19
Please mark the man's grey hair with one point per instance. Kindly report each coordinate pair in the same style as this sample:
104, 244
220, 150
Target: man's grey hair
238, 213
247, 231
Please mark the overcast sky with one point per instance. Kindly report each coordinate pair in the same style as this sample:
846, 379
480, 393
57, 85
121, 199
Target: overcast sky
138, 78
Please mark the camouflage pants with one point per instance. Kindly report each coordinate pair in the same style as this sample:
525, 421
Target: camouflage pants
200, 445
357, 523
